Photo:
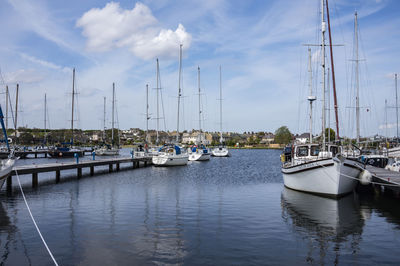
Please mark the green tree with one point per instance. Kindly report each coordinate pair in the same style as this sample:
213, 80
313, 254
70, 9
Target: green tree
283, 135
331, 132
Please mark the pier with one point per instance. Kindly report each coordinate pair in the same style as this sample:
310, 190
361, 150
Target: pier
387, 179
34, 170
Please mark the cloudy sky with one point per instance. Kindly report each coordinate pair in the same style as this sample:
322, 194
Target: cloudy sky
259, 45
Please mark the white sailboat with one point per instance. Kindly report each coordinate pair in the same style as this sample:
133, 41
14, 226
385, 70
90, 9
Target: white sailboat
200, 151
315, 168
107, 149
6, 165
172, 154
221, 150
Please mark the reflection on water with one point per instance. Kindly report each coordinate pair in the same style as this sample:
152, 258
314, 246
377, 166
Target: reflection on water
323, 222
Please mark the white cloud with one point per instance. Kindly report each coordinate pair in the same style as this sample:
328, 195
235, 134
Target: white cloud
137, 29
44, 63
22, 76
389, 126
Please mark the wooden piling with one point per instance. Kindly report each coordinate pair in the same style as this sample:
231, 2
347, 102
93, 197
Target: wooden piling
9, 182
34, 180
110, 167
79, 172
58, 174
117, 166
92, 170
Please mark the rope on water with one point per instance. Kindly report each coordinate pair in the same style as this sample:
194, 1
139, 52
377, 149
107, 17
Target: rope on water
34, 222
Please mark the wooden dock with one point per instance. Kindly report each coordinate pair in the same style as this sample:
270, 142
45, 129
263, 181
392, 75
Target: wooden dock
387, 179
34, 170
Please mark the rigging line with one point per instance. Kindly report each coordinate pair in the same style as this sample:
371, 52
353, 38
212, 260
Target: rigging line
33, 220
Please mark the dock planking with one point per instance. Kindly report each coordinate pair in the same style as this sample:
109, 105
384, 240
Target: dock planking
34, 170
388, 179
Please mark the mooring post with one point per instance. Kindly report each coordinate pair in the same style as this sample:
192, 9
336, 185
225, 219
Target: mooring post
77, 157
117, 164
45, 155
79, 172
35, 154
94, 155
34, 179
137, 164
131, 153
58, 176
110, 167
9, 182
92, 170
145, 163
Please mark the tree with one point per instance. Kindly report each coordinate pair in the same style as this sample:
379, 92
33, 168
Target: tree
331, 132
283, 135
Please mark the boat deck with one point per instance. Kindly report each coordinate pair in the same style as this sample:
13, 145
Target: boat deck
388, 179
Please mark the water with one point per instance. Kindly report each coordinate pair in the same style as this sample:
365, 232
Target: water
228, 211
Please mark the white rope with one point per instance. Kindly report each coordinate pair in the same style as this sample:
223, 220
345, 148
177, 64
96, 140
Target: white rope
33, 220
371, 182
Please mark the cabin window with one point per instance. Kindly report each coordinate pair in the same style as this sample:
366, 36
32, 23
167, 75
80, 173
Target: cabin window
334, 150
314, 150
302, 151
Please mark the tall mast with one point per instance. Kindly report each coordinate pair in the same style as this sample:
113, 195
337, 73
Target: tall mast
311, 98
158, 110
147, 112
179, 90
16, 111
198, 78
397, 108
45, 116
104, 120
386, 125
333, 74
329, 106
357, 78
112, 118
220, 105
323, 29
7, 107
72, 113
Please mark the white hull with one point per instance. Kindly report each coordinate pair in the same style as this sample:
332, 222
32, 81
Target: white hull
394, 152
330, 177
166, 159
5, 169
107, 152
221, 152
199, 156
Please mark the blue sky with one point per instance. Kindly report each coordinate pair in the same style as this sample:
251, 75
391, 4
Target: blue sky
257, 43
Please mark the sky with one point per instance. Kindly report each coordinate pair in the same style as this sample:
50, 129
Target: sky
258, 44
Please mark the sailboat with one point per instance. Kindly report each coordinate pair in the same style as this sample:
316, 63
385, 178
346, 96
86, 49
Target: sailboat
221, 150
200, 151
7, 164
108, 149
316, 168
65, 150
171, 154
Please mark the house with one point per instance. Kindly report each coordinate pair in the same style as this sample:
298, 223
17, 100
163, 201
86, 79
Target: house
303, 138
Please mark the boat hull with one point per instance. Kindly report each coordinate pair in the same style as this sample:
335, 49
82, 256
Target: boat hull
199, 156
5, 170
170, 160
107, 152
65, 154
220, 152
329, 177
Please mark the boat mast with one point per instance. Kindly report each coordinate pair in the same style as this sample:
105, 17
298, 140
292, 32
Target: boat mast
397, 108
323, 29
179, 90
198, 78
16, 112
7, 107
112, 119
45, 116
311, 98
386, 125
72, 113
104, 120
329, 106
220, 106
147, 112
357, 78
158, 111
333, 74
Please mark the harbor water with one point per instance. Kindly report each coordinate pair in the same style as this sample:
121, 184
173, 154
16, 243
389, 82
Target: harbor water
227, 211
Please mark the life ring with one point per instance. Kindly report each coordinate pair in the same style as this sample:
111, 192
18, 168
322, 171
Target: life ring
60, 154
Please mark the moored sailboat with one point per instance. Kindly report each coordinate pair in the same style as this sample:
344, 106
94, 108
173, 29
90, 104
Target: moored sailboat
221, 150
320, 168
7, 164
